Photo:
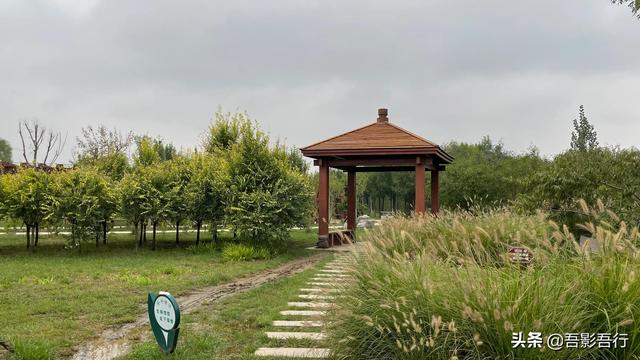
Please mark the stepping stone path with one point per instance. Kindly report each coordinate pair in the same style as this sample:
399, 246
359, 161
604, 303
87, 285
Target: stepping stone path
320, 292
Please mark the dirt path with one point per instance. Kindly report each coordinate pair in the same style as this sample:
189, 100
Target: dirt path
117, 342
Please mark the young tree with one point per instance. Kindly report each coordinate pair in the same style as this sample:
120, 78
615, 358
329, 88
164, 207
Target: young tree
113, 165
179, 173
84, 200
267, 196
146, 152
37, 137
5, 151
3, 195
27, 198
205, 192
224, 132
583, 137
134, 193
150, 151
159, 176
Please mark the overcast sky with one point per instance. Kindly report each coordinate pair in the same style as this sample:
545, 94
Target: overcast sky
307, 70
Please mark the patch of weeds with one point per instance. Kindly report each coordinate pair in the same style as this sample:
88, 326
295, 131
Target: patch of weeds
169, 270
31, 350
242, 252
135, 279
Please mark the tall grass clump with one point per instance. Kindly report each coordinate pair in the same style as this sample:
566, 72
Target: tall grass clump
443, 288
243, 252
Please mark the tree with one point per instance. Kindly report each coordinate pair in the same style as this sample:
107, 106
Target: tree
84, 200
104, 150
485, 174
39, 136
146, 152
97, 143
267, 196
583, 137
179, 173
159, 198
113, 165
297, 161
3, 195
27, 198
608, 174
166, 151
206, 191
634, 5
224, 131
5, 151
150, 151
134, 193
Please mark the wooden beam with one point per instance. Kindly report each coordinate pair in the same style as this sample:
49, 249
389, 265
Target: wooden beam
420, 205
376, 168
396, 161
323, 204
435, 192
351, 200
378, 161
364, 169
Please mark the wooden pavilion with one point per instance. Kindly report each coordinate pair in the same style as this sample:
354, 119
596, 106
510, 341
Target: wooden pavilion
377, 147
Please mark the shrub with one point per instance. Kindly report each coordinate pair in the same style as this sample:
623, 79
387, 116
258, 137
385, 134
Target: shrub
411, 301
242, 252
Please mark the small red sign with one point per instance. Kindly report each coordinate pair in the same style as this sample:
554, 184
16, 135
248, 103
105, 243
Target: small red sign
520, 255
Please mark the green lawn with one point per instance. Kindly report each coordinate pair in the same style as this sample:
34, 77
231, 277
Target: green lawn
55, 298
234, 328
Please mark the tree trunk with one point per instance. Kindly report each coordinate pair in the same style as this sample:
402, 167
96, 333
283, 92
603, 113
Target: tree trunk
198, 225
144, 232
140, 236
97, 237
28, 237
214, 226
177, 232
104, 232
37, 231
135, 232
155, 225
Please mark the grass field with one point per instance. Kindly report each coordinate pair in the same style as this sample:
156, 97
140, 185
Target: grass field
55, 298
235, 327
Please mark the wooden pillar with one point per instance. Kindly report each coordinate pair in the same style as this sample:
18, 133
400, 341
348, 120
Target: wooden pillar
420, 206
435, 192
351, 200
323, 205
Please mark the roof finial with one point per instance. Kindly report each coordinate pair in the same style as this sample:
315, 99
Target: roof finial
382, 115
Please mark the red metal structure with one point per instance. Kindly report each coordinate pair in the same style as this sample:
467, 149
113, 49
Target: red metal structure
377, 147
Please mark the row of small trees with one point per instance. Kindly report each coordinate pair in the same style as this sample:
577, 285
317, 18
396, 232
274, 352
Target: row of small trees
238, 179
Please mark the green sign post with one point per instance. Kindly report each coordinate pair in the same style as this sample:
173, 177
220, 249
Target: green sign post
164, 316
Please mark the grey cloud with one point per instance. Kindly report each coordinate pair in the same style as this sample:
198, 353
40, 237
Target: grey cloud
449, 70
